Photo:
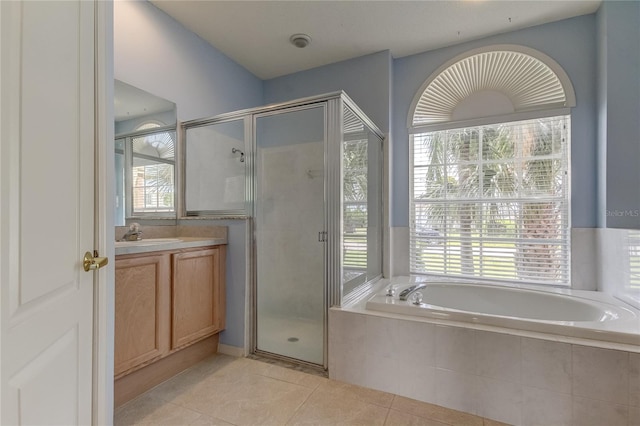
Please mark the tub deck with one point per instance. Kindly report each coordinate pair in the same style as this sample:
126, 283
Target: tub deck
564, 314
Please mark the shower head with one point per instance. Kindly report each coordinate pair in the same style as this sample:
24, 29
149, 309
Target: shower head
235, 150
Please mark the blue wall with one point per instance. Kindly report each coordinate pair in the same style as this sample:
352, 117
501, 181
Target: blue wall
365, 79
619, 114
572, 43
155, 53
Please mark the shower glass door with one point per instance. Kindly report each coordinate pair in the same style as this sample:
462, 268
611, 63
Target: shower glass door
289, 230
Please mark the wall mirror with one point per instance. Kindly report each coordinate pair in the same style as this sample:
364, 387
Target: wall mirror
145, 155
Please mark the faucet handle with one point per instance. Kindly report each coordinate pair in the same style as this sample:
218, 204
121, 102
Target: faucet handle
416, 298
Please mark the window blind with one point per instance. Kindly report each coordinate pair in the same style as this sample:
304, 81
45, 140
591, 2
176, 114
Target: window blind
529, 84
492, 202
631, 292
153, 172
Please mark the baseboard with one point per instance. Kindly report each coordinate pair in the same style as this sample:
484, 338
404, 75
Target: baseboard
230, 350
130, 386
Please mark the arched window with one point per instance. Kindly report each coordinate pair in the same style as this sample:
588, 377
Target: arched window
490, 138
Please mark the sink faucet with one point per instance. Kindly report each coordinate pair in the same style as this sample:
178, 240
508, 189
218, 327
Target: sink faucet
133, 234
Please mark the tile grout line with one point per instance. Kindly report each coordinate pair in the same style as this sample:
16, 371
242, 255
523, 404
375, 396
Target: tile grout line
287, 381
386, 417
389, 409
300, 406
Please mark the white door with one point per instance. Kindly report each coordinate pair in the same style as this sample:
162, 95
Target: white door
46, 211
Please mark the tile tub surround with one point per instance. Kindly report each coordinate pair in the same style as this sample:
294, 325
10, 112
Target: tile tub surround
509, 378
568, 315
617, 252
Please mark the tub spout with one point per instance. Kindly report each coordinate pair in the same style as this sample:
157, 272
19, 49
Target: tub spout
410, 290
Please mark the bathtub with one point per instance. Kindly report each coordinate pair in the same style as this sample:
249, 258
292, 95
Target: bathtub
564, 313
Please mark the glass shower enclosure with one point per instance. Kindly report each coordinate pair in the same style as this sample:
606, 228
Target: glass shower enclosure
289, 232
317, 220
314, 197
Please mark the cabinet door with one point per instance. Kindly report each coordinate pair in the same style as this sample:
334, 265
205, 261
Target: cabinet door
197, 295
142, 310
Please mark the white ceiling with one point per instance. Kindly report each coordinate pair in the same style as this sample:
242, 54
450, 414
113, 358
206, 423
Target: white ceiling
256, 34
130, 102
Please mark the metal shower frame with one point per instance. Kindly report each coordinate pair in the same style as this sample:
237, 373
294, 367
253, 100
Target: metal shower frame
334, 104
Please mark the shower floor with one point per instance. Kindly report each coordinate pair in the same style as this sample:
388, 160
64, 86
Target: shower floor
298, 338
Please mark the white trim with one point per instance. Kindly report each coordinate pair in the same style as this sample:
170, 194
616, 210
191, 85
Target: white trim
387, 247
248, 283
231, 350
545, 59
104, 305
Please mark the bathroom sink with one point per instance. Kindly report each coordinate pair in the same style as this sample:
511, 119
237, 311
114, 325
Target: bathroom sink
147, 242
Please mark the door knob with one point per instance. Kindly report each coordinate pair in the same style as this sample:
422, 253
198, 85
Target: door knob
91, 262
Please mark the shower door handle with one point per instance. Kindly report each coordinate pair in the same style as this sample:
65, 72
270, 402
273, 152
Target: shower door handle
322, 236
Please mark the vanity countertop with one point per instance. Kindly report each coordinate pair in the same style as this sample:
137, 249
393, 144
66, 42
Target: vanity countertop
161, 244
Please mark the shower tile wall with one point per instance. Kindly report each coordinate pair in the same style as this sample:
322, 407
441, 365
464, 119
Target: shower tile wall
619, 261
292, 187
209, 158
513, 379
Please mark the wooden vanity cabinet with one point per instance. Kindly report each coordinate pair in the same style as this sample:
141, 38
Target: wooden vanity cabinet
142, 320
197, 295
165, 302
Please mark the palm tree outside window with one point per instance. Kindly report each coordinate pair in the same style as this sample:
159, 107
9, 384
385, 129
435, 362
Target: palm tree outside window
492, 201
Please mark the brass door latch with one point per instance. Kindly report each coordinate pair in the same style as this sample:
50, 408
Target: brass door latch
91, 262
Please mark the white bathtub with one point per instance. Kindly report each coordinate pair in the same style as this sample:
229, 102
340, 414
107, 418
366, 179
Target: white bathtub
578, 314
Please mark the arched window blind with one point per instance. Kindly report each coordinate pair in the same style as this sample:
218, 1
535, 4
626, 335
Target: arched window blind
494, 81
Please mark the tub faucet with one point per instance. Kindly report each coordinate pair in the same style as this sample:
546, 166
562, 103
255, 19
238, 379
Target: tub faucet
133, 234
410, 290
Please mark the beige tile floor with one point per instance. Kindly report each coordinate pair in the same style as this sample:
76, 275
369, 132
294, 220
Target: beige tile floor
224, 390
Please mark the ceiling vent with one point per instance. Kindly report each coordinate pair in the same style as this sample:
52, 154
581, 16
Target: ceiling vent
300, 40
